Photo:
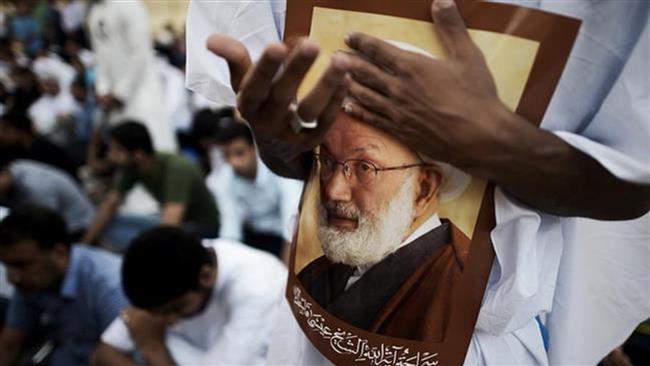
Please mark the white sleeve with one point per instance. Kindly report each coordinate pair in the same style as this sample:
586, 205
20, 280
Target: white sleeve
117, 336
135, 34
255, 23
291, 191
619, 135
102, 80
247, 334
230, 214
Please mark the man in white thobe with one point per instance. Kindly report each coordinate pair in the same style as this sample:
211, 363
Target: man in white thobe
600, 109
128, 82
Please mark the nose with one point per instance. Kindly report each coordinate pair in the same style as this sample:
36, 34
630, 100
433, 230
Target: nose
337, 188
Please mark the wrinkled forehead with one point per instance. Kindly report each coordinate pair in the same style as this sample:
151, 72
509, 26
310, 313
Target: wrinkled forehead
349, 138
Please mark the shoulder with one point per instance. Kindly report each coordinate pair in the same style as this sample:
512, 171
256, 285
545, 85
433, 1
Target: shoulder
239, 263
175, 163
33, 168
96, 267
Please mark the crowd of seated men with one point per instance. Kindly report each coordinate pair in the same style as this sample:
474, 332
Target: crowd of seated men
93, 215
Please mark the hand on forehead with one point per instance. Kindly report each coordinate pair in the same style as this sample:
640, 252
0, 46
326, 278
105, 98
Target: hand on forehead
349, 138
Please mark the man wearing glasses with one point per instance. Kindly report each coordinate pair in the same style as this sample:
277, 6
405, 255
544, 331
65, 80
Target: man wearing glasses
374, 226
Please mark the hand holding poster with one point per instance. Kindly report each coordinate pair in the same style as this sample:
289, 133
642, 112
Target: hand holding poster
390, 267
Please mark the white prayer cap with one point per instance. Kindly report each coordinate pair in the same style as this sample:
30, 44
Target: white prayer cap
46, 71
454, 181
52, 68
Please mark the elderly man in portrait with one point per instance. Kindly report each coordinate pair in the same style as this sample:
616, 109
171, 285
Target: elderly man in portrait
375, 225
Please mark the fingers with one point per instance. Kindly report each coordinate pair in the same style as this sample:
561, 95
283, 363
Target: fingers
299, 61
378, 52
359, 112
451, 28
331, 111
258, 81
369, 75
370, 100
320, 97
235, 54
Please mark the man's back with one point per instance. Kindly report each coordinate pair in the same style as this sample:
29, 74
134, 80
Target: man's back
40, 184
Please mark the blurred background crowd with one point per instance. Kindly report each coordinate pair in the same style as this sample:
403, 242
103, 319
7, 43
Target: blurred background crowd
97, 125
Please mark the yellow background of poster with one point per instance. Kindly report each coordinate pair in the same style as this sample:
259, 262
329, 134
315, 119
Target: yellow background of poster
509, 58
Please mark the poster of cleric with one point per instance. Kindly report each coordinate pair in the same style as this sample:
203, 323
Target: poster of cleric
392, 251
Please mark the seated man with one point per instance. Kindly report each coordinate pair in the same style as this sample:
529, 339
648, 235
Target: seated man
65, 295
172, 180
260, 204
194, 304
26, 182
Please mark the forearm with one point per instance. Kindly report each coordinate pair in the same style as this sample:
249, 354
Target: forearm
102, 218
157, 355
11, 342
7, 356
545, 172
172, 213
105, 355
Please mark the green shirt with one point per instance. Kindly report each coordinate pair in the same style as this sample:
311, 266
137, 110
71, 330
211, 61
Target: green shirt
173, 179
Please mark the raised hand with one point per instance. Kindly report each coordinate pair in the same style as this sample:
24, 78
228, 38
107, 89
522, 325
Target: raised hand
447, 109
266, 93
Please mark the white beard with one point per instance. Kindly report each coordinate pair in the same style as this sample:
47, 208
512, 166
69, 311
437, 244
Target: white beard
375, 237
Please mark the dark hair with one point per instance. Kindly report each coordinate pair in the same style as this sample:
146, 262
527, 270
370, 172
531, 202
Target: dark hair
4, 161
161, 265
206, 122
18, 121
132, 136
232, 129
40, 224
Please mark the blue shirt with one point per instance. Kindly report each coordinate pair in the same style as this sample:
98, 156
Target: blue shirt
89, 299
266, 204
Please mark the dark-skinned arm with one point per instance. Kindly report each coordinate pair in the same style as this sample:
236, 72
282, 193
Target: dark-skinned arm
106, 355
449, 110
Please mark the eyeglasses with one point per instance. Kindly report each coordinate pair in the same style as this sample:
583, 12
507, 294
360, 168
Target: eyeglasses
363, 171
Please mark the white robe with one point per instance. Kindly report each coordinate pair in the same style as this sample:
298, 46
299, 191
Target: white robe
545, 265
177, 103
126, 67
46, 114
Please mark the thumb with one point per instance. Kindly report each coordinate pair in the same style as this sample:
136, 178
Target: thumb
451, 28
235, 54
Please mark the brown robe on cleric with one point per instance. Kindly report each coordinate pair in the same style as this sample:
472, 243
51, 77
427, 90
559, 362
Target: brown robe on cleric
406, 295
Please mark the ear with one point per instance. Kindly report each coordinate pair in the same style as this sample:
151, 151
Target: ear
207, 275
429, 180
138, 155
60, 254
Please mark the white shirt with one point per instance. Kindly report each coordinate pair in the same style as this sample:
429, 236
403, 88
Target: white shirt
177, 101
268, 203
48, 112
542, 261
72, 15
125, 67
235, 327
